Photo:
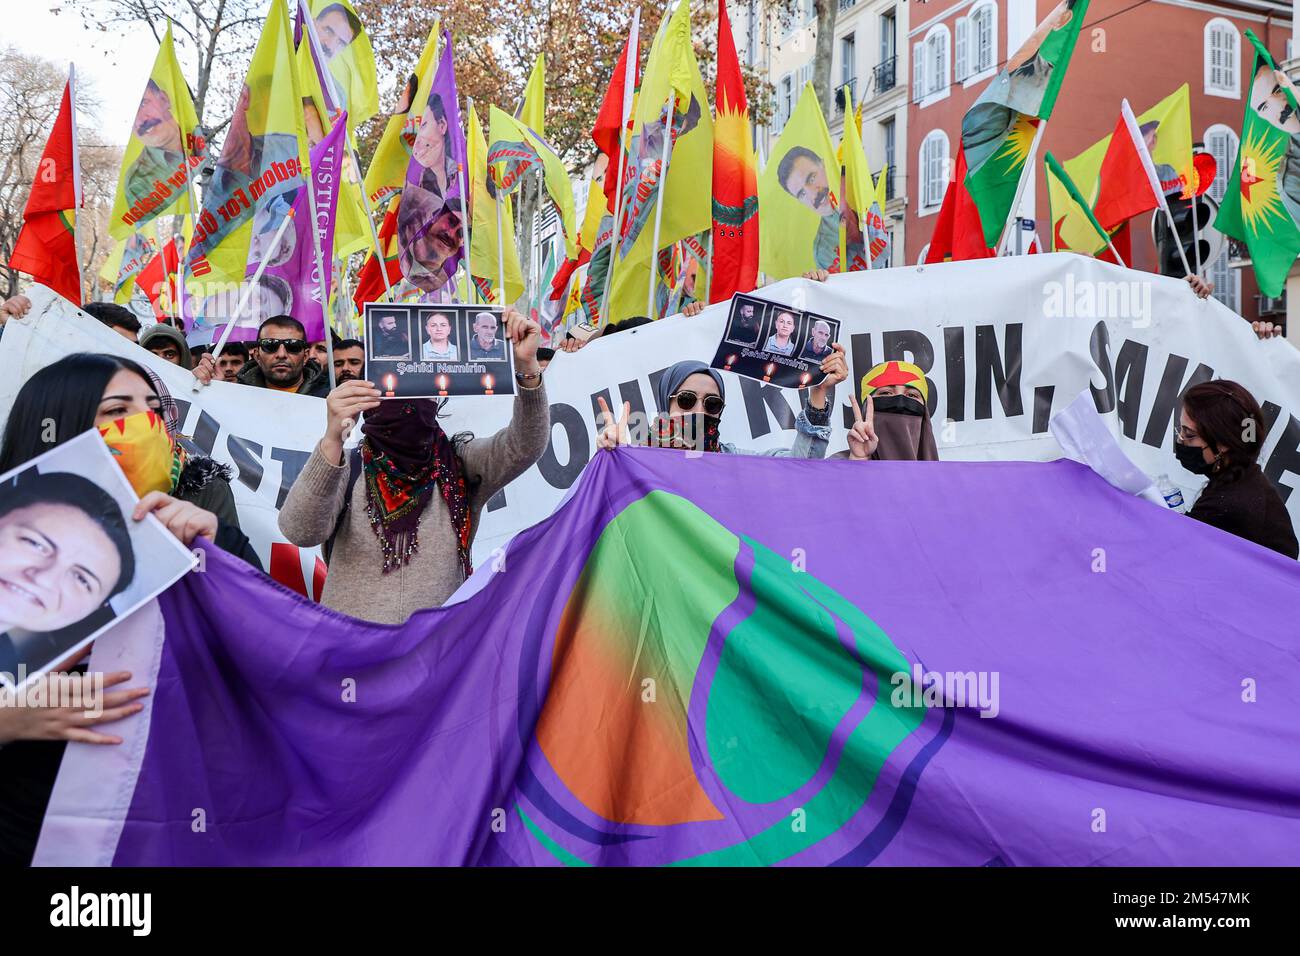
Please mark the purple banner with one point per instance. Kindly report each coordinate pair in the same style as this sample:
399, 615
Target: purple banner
675, 666
430, 218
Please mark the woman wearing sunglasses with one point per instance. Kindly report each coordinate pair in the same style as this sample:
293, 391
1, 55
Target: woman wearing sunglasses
691, 397
1219, 434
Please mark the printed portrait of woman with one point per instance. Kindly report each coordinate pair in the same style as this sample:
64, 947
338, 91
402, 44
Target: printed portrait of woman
65, 550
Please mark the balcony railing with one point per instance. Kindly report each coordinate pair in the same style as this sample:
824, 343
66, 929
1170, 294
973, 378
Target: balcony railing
845, 4
849, 86
889, 181
884, 77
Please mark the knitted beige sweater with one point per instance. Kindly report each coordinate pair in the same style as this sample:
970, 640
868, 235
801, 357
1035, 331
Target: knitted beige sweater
356, 584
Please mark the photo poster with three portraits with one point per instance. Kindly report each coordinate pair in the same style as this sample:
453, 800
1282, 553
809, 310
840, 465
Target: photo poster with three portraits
433, 351
776, 344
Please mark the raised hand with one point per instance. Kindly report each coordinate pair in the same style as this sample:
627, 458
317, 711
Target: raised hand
862, 436
343, 407
836, 370
612, 433
526, 336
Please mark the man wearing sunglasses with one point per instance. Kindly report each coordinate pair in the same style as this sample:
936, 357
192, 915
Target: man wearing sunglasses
280, 360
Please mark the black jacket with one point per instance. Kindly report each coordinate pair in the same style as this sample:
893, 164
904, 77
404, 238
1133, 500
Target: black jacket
1248, 506
315, 382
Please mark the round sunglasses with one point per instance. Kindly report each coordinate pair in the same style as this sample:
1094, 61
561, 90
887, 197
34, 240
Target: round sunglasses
686, 400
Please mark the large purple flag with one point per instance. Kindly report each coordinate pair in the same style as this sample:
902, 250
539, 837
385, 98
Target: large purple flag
431, 215
724, 660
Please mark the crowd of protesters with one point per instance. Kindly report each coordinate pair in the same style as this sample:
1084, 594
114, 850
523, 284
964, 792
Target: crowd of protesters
396, 513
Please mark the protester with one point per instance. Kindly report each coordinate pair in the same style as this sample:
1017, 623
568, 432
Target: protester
280, 360
168, 344
118, 318
691, 397
319, 353
189, 492
233, 357
185, 491
349, 360
896, 425
15, 307
399, 513
1220, 434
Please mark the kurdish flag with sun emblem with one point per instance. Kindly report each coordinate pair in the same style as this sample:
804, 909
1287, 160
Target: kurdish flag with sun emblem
998, 131
1261, 205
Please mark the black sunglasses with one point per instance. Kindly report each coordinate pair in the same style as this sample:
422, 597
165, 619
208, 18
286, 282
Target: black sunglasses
271, 346
686, 399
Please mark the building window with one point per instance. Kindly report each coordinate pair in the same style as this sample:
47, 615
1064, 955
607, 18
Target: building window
1222, 58
888, 32
848, 88
984, 38
1221, 143
784, 101
1227, 281
930, 69
887, 131
933, 180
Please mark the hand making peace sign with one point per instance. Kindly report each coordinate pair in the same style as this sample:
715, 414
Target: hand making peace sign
862, 436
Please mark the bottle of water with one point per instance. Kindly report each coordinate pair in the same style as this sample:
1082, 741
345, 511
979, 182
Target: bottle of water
1172, 494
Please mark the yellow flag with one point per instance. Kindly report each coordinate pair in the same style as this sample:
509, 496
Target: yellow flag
532, 110
859, 195
165, 142
1171, 152
484, 245
262, 163
387, 172
513, 149
671, 84
349, 58
798, 195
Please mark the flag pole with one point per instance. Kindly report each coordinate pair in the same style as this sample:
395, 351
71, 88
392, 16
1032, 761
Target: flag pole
327, 78
1025, 174
629, 89
76, 178
1140, 143
659, 202
501, 252
1059, 172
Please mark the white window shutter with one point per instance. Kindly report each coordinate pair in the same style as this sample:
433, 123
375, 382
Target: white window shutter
1229, 60
941, 45
961, 57
918, 71
983, 55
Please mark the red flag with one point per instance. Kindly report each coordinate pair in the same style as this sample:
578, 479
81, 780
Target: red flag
734, 266
370, 282
46, 248
958, 233
159, 273
1122, 240
609, 121
1125, 189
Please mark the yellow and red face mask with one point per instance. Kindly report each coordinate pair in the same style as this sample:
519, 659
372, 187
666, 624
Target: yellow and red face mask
144, 451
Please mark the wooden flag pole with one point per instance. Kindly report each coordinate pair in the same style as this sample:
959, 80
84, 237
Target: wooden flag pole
659, 202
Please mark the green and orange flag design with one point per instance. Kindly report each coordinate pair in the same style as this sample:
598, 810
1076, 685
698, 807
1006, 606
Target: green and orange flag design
1261, 206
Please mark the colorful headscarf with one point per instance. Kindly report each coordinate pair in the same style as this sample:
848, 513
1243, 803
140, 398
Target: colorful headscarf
405, 453
895, 373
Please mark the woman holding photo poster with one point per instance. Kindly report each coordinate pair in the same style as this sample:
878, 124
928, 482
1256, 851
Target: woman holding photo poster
691, 397
397, 515
189, 494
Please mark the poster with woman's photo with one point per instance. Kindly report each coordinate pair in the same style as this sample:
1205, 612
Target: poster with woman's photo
73, 561
432, 351
775, 343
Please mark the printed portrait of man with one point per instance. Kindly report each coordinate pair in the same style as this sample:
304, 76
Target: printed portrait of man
802, 174
429, 234
818, 346
641, 192
160, 135
1269, 98
485, 346
390, 339
746, 325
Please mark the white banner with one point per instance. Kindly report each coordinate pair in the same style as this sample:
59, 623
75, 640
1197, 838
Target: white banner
1005, 343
